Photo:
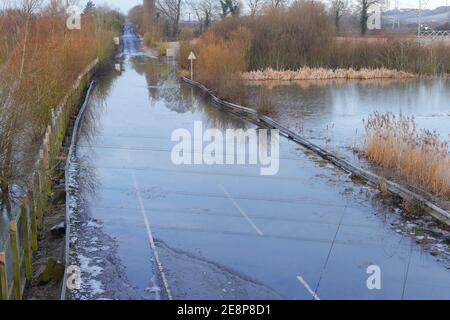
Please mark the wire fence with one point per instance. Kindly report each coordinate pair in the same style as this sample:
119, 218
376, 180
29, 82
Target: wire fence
18, 231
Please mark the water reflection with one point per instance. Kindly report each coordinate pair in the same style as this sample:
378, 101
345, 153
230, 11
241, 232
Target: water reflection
332, 112
306, 84
166, 90
87, 177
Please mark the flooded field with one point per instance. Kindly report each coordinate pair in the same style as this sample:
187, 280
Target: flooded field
331, 112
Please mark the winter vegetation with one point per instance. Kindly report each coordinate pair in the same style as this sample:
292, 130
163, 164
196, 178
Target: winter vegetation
39, 60
420, 157
323, 74
297, 41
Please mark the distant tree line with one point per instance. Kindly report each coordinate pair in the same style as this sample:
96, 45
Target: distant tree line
347, 15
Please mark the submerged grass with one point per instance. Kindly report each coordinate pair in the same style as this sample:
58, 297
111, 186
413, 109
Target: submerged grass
264, 102
418, 156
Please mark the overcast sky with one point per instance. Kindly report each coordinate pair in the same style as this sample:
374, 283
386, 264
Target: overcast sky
125, 5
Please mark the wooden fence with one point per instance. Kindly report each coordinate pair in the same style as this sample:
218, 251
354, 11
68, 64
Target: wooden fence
21, 240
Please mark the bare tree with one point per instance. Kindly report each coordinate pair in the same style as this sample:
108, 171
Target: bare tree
205, 10
364, 6
9, 115
230, 7
28, 7
149, 16
255, 6
136, 15
171, 10
278, 3
12, 110
339, 9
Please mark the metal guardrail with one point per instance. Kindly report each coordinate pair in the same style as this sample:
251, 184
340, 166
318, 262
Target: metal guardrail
261, 120
21, 241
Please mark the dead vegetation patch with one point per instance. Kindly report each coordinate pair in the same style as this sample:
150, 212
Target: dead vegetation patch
307, 73
418, 157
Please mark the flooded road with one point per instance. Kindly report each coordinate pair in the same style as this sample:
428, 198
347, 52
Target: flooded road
145, 228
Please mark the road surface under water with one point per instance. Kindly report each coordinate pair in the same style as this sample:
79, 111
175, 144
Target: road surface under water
145, 228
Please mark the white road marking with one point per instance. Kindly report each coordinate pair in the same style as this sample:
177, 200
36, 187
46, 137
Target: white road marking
305, 284
150, 237
246, 217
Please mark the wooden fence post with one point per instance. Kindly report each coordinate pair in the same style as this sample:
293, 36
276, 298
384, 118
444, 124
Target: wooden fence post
49, 156
3, 277
26, 236
15, 259
47, 160
32, 208
38, 195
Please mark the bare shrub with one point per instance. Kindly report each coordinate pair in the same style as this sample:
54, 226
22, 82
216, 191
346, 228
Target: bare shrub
292, 37
186, 47
395, 54
221, 62
41, 60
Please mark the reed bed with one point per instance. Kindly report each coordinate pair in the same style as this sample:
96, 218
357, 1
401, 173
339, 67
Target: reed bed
417, 156
307, 73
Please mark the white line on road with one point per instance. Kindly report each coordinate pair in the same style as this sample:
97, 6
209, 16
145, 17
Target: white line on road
305, 284
150, 237
246, 217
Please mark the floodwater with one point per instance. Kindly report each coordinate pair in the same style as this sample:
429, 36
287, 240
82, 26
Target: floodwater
4, 226
145, 228
331, 112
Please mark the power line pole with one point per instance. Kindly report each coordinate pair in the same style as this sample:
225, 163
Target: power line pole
396, 20
422, 5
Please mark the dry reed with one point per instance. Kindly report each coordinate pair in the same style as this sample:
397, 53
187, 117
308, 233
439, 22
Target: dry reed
418, 156
325, 74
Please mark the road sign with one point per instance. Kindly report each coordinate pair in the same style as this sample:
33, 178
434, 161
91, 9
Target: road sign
171, 53
192, 57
